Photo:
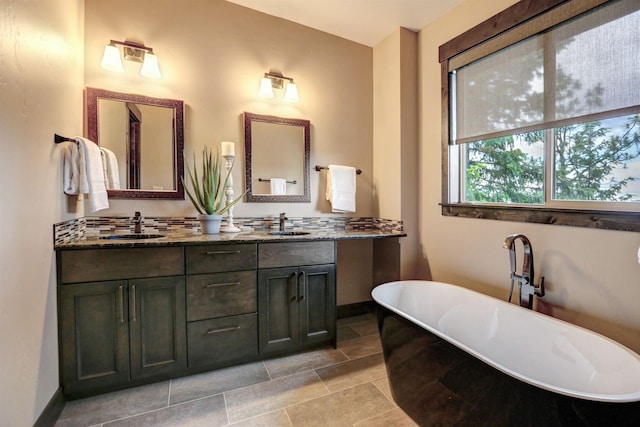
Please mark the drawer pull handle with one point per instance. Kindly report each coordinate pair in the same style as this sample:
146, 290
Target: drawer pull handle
221, 252
133, 306
215, 285
121, 297
302, 283
221, 330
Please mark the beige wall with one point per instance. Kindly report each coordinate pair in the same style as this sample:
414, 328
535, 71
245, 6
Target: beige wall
395, 139
212, 55
592, 276
41, 63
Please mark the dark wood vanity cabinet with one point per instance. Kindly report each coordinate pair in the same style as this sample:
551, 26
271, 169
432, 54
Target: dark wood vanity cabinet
297, 295
114, 332
222, 305
130, 316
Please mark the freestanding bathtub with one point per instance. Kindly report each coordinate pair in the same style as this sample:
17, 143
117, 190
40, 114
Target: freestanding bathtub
457, 357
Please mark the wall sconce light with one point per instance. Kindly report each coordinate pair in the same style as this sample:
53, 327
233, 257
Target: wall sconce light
136, 52
276, 80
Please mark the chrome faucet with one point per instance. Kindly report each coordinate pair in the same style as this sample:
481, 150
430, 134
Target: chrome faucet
525, 281
283, 218
137, 223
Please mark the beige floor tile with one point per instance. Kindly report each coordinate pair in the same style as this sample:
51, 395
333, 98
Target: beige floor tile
368, 327
113, 406
269, 396
208, 412
343, 408
383, 385
278, 418
392, 418
289, 365
346, 333
361, 347
353, 372
356, 319
218, 381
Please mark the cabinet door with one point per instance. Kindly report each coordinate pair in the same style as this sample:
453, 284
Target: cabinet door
94, 335
278, 328
157, 317
317, 300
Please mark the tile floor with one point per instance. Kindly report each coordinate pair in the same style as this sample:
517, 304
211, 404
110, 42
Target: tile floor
346, 386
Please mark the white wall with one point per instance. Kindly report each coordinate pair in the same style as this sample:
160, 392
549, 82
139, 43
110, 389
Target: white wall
592, 276
41, 80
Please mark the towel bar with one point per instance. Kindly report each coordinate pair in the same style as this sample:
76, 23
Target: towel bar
319, 168
58, 139
269, 179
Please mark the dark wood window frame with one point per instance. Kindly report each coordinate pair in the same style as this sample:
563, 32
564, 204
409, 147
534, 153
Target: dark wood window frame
509, 18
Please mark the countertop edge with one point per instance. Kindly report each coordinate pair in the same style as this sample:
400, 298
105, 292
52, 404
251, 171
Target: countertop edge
222, 239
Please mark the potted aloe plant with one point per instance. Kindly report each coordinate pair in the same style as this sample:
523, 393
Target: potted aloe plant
208, 191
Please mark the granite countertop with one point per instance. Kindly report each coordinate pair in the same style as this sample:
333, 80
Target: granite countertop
197, 238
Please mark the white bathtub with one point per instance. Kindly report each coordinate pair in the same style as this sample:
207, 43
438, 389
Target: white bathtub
532, 347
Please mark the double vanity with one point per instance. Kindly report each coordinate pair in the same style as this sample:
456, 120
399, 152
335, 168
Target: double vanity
134, 311
161, 300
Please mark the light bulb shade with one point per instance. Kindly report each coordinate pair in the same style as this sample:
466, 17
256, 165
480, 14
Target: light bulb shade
266, 90
111, 59
291, 92
150, 66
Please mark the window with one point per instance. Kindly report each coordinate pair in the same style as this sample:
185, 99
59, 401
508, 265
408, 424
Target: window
544, 118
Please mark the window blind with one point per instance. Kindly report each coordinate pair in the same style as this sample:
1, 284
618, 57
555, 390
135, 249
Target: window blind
552, 78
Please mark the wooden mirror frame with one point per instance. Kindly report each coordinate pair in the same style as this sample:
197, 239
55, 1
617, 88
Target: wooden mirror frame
92, 97
266, 198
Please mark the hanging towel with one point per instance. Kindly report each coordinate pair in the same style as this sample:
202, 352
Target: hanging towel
110, 168
91, 175
341, 188
278, 186
71, 169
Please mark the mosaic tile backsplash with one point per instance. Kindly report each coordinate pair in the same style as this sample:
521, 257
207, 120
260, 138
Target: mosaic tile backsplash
87, 227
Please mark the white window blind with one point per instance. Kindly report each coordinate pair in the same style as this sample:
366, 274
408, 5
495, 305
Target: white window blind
552, 78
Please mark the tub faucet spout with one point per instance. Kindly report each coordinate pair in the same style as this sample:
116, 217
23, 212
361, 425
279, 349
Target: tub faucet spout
525, 281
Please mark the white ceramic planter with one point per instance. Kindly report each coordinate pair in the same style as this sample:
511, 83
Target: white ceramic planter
210, 224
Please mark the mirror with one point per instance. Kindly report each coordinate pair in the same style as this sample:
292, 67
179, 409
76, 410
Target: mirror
276, 159
144, 141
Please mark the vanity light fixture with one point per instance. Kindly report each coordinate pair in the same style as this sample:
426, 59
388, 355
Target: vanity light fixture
272, 80
133, 51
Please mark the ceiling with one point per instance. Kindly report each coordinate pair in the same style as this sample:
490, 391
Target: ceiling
363, 21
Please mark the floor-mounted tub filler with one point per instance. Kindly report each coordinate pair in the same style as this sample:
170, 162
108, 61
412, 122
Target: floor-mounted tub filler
458, 357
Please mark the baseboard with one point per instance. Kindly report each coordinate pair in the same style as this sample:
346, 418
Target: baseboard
54, 408
356, 309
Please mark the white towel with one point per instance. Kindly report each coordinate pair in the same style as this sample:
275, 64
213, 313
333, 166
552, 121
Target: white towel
341, 188
110, 168
91, 176
278, 186
71, 169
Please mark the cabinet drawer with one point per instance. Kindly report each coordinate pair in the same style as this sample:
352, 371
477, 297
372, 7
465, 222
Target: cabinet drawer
295, 253
221, 294
90, 265
220, 341
218, 258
